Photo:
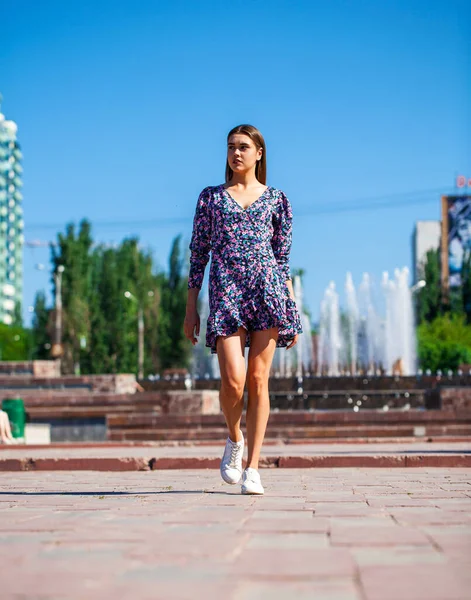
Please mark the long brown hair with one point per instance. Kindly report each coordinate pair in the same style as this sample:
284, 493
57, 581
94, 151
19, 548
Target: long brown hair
257, 138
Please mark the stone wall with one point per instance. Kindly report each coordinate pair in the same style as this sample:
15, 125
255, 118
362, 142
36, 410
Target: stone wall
19, 381
318, 384
36, 368
457, 398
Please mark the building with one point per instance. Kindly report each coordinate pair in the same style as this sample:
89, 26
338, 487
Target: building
426, 237
11, 222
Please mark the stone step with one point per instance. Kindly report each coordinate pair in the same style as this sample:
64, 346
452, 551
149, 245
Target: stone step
150, 413
119, 383
273, 457
302, 418
287, 433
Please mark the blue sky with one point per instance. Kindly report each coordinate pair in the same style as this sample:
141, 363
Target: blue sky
123, 110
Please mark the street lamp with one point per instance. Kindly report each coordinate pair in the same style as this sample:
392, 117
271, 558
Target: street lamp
418, 286
140, 332
56, 350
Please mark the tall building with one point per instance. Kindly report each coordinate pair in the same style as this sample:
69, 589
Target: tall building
11, 222
426, 237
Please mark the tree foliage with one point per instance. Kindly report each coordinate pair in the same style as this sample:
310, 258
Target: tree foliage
100, 324
429, 298
445, 343
15, 342
444, 331
40, 330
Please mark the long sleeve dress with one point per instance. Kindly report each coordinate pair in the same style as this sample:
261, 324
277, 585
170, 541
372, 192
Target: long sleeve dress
249, 266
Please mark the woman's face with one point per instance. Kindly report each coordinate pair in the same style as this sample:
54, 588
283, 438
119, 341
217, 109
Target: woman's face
242, 154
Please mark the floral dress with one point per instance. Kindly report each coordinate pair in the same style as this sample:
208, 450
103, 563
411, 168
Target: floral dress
249, 266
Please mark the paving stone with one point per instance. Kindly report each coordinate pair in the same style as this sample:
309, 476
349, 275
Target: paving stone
451, 539
321, 589
428, 516
342, 535
280, 514
397, 555
413, 582
287, 525
213, 544
294, 563
399, 501
347, 496
358, 509
299, 541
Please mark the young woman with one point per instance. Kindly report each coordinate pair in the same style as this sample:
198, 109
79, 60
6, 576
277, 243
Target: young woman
247, 226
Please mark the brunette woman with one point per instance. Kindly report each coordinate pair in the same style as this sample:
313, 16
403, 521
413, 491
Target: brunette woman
247, 227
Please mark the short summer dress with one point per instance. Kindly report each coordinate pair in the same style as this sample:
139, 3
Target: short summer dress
249, 263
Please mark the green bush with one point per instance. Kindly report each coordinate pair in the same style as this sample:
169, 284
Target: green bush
15, 343
443, 356
445, 343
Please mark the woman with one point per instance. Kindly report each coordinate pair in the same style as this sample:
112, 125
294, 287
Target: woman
247, 226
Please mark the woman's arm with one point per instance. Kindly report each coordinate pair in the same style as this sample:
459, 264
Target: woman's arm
282, 238
200, 247
200, 244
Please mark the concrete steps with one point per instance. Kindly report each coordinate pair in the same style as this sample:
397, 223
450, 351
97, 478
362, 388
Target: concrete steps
288, 425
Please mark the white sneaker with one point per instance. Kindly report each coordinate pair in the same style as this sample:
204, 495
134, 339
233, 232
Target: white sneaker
251, 483
231, 463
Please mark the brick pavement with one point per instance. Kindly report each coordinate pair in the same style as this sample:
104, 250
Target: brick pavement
328, 534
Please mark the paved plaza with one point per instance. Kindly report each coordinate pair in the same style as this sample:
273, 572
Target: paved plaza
327, 534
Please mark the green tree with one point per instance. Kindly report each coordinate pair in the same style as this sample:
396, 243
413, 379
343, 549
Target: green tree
94, 356
40, 335
73, 252
175, 349
15, 342
100, 324
429, 298
444, 343
17, 315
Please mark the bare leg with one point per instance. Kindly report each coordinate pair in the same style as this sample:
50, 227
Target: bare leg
262, 350
230, 351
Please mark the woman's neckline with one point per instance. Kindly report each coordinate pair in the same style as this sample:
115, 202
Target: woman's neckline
235, 201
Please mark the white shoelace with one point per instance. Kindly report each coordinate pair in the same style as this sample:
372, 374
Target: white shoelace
235, 451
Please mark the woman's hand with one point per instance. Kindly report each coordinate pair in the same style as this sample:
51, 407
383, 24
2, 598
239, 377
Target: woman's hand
192, 321
293, 342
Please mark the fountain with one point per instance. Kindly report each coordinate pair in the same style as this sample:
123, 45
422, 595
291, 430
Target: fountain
297, 361
360, 340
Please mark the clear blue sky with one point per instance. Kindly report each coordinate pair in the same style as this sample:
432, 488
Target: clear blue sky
123, 110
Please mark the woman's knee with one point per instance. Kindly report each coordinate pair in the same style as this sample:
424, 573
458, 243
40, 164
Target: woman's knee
233, 384
257, 378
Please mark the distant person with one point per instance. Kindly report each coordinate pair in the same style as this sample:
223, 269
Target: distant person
247, 226
5, 429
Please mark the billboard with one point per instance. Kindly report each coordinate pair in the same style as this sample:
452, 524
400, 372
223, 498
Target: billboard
456, 237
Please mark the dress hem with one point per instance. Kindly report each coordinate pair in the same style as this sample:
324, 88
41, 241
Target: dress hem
281, 342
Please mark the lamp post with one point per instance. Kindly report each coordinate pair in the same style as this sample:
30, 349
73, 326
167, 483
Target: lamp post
140, 332
56, 350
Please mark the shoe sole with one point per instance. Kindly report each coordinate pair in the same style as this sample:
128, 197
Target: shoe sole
247, 493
